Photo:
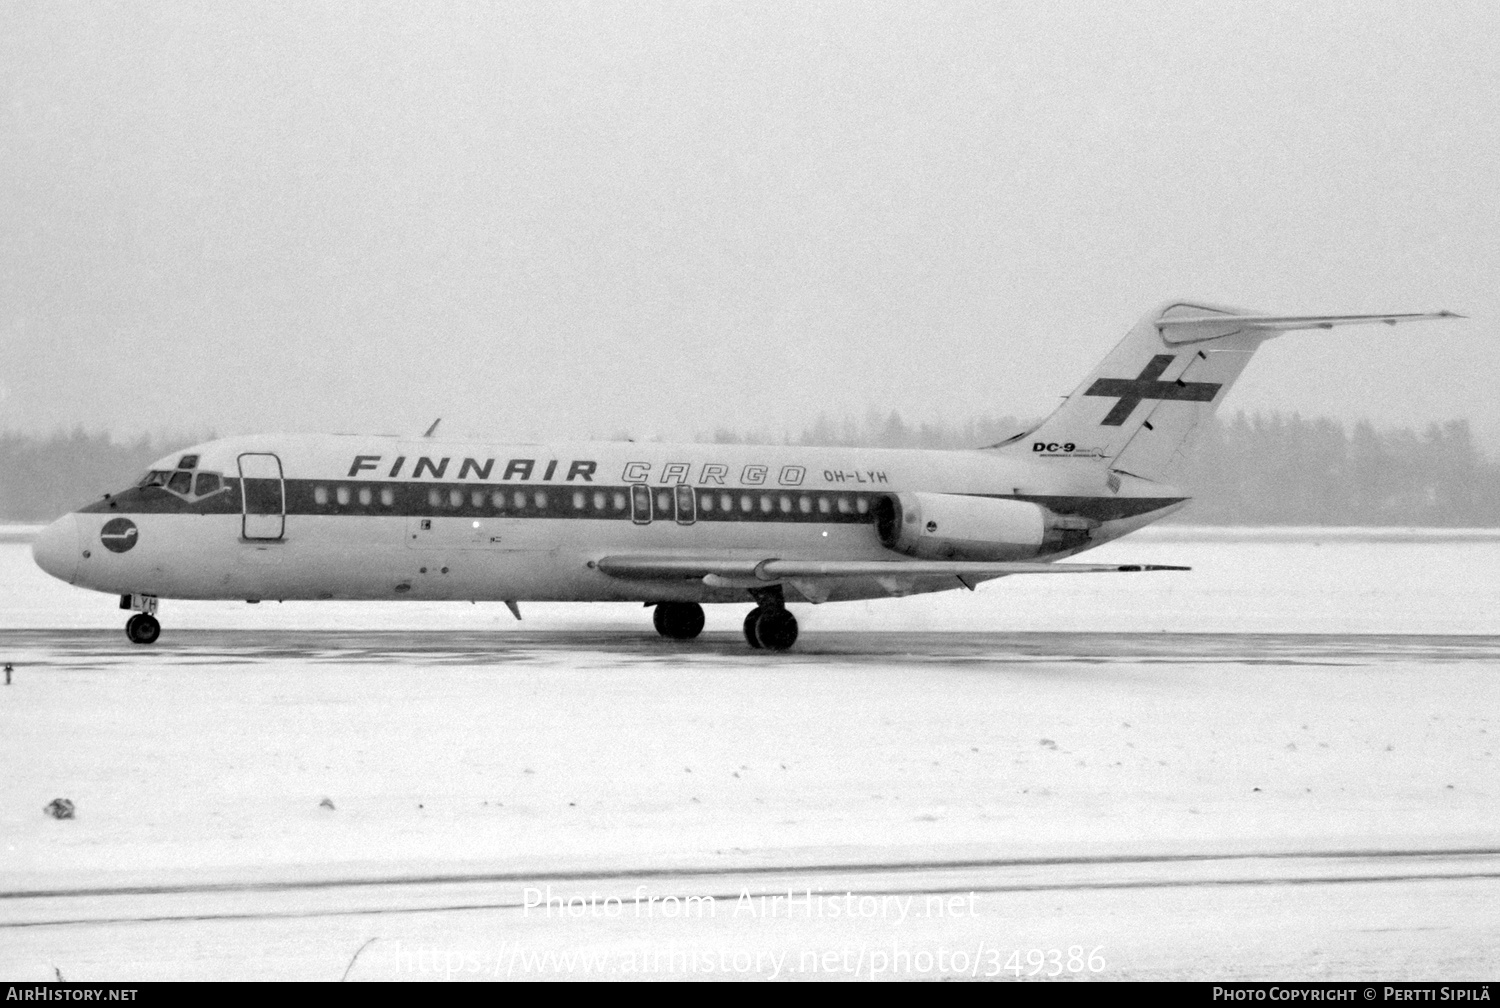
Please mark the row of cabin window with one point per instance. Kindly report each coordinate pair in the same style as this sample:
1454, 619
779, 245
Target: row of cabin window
346, 495
602, 500
766, 503
500, 500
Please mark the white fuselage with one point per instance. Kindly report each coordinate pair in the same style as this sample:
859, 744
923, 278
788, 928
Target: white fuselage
360, 517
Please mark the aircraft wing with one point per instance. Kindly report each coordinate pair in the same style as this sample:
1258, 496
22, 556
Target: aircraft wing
1193, 328
749, 569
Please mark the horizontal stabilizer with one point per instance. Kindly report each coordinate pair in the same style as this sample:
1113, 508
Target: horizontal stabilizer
773, 569
1195, 328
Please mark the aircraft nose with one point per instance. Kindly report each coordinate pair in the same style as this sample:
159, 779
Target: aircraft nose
56, 549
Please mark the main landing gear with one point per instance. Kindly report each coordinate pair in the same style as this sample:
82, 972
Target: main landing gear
769, 626
142, 628
678, 620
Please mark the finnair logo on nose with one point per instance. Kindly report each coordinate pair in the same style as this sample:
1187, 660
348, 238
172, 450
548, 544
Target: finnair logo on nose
119, 535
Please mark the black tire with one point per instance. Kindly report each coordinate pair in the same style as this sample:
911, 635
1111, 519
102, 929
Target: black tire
142, 628
776, 630
751, 618
678, 620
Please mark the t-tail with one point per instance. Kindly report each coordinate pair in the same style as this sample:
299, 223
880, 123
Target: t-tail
1138, 411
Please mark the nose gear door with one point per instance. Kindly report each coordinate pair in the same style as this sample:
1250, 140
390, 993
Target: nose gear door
262, 496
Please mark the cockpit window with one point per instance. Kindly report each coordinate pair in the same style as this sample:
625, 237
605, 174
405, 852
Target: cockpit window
188, 462
183, 482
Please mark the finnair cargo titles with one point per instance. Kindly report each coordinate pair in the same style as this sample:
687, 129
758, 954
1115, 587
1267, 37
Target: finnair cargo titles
306, 516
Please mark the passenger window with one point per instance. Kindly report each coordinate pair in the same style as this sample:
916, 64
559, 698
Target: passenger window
620, 500
519, 499
181, 482
477, 498
844, 506
541, 500
824, 504
578, 500
862, 505
705, 501
455, 498
686, 514
726, 502
786, 504
388, 497
599, 500
365, 496
766, 503
434, 498
664, 503
747, 503
497, 500
640, 504
804, 504
341, 495
207, 483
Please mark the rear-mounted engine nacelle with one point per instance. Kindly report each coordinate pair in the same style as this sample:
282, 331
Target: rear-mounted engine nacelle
958, 527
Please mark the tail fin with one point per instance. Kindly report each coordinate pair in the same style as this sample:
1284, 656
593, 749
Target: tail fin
1141, 406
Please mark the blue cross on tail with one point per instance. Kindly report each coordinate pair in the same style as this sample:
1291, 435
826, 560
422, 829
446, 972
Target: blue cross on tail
1146, 386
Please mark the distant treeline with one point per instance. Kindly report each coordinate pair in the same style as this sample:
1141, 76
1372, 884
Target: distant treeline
1251, 469
1272, 469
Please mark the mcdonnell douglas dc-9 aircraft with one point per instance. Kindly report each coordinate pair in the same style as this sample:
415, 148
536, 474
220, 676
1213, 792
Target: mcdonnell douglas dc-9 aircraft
305, 516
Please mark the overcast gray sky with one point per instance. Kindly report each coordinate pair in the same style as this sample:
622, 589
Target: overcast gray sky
572, 219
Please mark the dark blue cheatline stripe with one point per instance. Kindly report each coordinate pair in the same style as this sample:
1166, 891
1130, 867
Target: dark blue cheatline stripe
500, 500
564, 501
417, 500
1098, 508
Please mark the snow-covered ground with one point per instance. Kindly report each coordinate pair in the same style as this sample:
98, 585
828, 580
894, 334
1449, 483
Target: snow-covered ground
580, 748
1439, 581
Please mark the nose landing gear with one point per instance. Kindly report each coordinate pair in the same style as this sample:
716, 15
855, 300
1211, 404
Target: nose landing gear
142, 628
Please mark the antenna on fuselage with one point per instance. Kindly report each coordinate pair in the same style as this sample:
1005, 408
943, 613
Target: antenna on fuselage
433, 429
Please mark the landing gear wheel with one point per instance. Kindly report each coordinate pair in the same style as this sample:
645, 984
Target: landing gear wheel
751, 618
142, 628
678, 620
776, 629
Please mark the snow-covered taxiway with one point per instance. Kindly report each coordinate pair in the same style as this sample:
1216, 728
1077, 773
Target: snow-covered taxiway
935, 801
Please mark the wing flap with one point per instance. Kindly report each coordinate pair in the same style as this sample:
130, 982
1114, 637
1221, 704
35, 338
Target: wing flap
751, 570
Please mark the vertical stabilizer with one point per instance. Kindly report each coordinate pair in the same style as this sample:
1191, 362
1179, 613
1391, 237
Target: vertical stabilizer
1138, 410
